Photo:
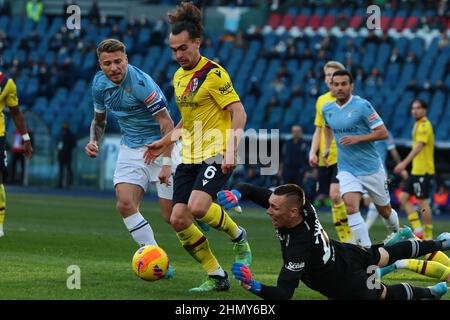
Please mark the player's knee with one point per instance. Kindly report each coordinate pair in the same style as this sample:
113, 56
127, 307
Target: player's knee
179, 222
335, 198
351, 208
125, 207
384, 211
198, 209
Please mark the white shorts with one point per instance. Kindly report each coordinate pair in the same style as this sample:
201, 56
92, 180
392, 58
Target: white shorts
375, 185
130, 168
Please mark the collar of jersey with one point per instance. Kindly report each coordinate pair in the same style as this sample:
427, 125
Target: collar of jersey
198, 66
342, 107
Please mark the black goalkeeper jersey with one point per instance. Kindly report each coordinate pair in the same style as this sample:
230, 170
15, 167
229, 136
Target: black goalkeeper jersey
310, 256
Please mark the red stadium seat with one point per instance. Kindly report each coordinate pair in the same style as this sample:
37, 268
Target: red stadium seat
314, 22
385, 23
355, 22
274, 20
411, 22
301, 21
328, 22
288, 21
398, 23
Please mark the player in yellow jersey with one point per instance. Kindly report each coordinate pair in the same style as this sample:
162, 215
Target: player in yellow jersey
328, 183
435, 265
212, 121
422, 157
8, 97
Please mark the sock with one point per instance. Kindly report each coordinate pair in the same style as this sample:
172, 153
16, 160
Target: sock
2, 203
340, 230
344, 221
428, 268
405, 291
401, 264
372, 215
392, 223
217, 218
193, 240
414, 220
359, 229
411, 249
428, 231
140, 229
440, 257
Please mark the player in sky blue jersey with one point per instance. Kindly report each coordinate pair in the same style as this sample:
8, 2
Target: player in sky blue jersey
383, 147
141, 110
355, 126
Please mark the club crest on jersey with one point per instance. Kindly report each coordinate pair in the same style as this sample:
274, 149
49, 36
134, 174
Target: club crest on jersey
194, 84
349, 114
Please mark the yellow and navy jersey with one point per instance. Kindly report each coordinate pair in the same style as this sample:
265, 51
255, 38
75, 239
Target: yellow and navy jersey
423, 163
319, 122
8, 97
202, 94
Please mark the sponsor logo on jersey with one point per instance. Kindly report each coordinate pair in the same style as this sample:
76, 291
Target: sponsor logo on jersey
373, 116
226, 89
151, 97
295, 266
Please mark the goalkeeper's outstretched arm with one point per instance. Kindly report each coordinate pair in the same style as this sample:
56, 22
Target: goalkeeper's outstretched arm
256, 194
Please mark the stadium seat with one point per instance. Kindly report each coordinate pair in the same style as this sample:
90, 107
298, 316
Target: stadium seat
355, 22
398, 23
301, 21
287, 21
314, 22
411, 22
274, 20
385, 22
328, 21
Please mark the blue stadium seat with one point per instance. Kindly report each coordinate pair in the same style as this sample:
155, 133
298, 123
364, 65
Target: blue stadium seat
275, 118
4, 22
436, 108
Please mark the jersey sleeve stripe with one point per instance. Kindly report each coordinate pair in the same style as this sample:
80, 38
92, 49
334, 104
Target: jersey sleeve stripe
376, 125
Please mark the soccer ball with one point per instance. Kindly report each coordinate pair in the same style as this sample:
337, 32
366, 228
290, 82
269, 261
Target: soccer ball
150, 263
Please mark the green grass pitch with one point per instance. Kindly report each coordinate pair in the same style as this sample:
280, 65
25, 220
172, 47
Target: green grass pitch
46, 234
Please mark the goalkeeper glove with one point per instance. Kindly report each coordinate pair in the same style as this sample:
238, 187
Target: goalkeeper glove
229, 199
242, 273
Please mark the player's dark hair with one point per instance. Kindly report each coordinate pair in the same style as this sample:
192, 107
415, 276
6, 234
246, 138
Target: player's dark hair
186, 17
292, 191
343, 73
423, 104
110, 45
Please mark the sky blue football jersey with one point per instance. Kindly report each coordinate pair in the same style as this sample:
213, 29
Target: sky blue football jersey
134, 102
383, 146
356, 117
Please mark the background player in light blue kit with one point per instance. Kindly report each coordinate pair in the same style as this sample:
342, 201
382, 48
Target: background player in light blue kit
140, 108
355, 126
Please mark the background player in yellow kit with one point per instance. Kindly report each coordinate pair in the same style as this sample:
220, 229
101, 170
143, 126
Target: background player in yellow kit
8, 97
422, 173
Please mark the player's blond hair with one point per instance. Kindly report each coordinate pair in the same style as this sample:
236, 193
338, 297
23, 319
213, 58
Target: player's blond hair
110, 45
334, 65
